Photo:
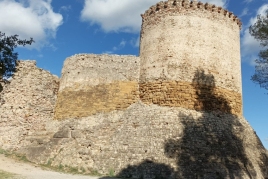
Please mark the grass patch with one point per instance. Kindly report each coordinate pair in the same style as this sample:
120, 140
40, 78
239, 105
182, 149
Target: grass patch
48, 166
22, 158
6, 175
2, 151
14, 155
94, 173
68, 169
111, 172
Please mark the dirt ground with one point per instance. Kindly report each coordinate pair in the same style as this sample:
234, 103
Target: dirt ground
23, 170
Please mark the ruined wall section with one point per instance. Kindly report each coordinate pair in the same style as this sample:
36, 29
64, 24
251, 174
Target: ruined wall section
180, 39
97, 83
27, 103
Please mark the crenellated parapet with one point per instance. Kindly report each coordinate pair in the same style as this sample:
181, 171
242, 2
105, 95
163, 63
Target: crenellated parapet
187, 7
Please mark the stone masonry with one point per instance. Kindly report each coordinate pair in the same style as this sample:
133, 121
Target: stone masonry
27, 103
174, 112
111, 85
179, 38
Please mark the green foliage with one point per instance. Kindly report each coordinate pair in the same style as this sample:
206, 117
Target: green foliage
8, 57
260, 32
49, 162
22, 158
111, 172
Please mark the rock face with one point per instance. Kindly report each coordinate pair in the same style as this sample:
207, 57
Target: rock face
175, 112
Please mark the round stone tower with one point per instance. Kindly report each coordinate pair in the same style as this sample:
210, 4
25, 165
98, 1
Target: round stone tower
190, 57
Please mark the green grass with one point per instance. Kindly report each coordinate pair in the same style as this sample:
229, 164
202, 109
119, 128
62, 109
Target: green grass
68, 169
2, 151
14, 155
111, 172
47, 166
6, 175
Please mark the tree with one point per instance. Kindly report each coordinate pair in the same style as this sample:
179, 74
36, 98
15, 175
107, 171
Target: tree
260, 32
8, 57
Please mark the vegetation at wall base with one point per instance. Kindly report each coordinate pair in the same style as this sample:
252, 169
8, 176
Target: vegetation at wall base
69, 169
48, 166
8, 57
260, 32
14, 155
6, 175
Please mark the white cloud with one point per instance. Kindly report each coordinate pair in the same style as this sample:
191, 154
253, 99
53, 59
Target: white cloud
122, 15
135, 42
65, 8
116, 15
244, 12
250, 47
121, 45
29, 18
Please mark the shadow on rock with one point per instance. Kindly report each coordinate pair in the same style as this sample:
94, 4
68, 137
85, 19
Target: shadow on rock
211, 146
208, 98
210, 149
1, 88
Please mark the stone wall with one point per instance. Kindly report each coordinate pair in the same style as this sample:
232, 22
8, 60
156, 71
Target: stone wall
27, 103
174, 112
150, 141
179, 39
191, 96
97, 83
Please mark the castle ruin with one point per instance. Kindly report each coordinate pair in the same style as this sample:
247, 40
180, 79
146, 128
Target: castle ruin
173, 112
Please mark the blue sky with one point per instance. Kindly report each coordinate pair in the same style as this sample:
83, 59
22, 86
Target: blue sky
62, 28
